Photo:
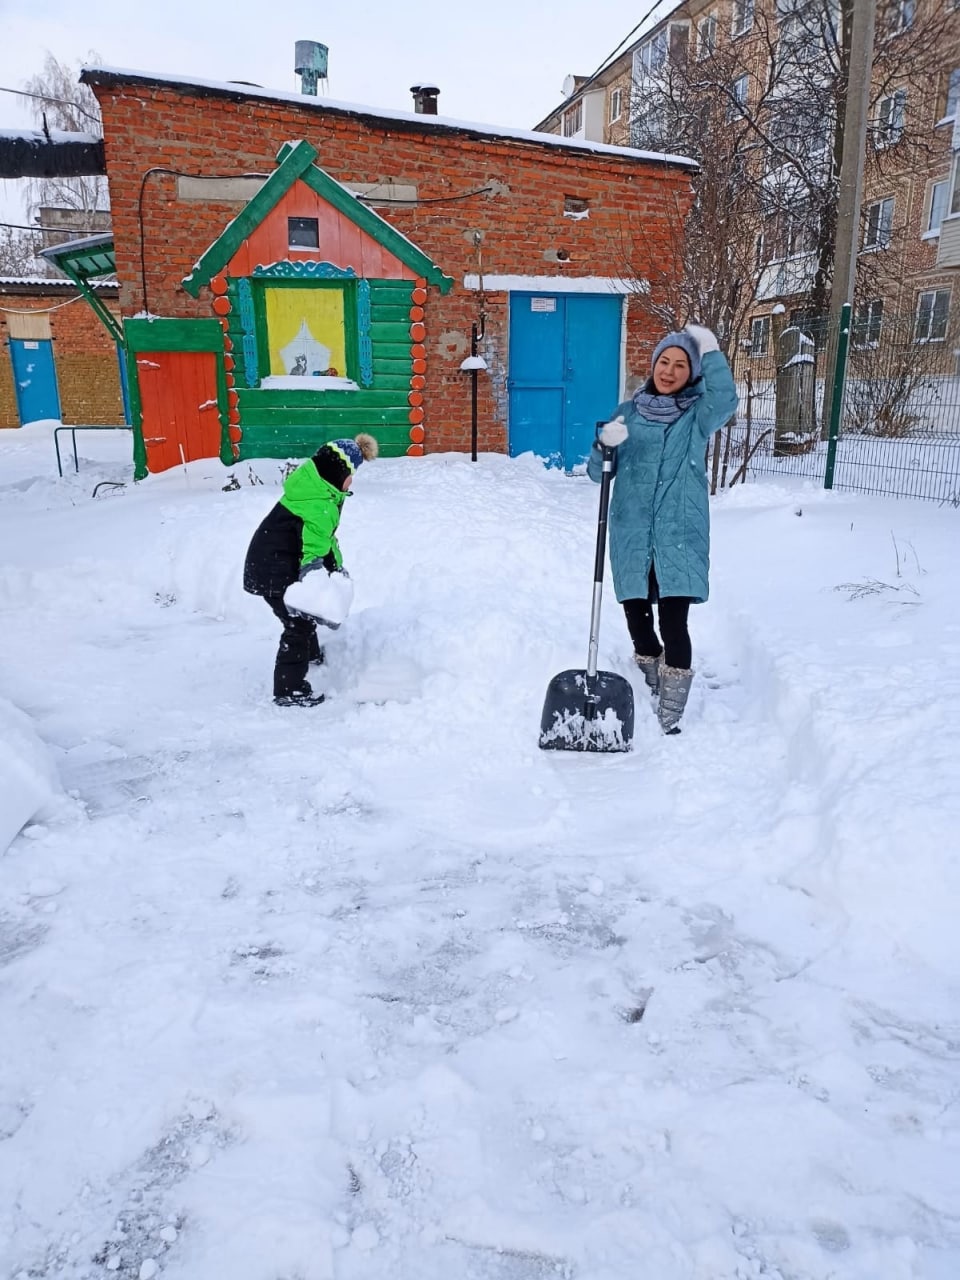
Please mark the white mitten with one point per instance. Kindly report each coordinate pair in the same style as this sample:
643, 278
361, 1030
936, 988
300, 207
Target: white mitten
613, 433
705, 339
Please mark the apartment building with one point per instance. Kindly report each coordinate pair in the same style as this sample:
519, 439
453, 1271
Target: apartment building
757, 82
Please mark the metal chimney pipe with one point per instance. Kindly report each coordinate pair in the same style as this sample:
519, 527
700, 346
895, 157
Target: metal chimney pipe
425, 99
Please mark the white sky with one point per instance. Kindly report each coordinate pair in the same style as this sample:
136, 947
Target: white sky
500, 63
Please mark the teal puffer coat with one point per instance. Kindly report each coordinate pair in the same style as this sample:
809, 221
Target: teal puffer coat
659, 511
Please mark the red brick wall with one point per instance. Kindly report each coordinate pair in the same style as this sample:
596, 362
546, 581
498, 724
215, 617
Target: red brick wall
177, 128
88, 374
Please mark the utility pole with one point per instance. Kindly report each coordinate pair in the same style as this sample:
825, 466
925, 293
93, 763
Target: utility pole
847, 235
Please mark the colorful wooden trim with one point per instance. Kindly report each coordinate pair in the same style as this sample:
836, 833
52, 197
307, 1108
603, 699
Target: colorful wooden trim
248, 327
295, 162
364, 340
418, 365
304, 271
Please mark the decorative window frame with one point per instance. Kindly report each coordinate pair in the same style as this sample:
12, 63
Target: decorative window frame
321, 275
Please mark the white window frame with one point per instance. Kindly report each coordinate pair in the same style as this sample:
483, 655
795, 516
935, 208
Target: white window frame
742, 21
902, 15
707, 31
886, 208
931, 227
933, 294
572, 120
739, 97
867, 320
616, 104
953, 91
891, 119
650, 56
759, 324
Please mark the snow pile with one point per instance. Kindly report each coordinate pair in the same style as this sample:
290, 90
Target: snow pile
382, 989
322, 595
28, 776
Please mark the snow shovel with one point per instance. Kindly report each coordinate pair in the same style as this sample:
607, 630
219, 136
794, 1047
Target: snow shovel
590, 710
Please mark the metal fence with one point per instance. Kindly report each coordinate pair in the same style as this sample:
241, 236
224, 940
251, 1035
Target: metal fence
895, 429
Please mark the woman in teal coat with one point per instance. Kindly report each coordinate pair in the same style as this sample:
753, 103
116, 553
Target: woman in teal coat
659, 512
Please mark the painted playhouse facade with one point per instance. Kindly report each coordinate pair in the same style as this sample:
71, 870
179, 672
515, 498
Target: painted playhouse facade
276, 293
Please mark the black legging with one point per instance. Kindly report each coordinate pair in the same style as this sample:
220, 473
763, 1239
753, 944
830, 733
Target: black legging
672, 614
299, 646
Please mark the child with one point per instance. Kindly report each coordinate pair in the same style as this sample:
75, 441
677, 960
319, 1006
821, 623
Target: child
301, 529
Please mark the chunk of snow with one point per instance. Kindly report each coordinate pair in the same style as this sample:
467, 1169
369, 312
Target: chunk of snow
29, 785
321, 595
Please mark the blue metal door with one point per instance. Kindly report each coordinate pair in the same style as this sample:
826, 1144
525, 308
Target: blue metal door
35, 379
564, 372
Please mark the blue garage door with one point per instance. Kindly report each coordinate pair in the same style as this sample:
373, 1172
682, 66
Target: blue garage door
564, 372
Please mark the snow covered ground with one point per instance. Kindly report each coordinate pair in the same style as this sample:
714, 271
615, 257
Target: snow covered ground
379, 989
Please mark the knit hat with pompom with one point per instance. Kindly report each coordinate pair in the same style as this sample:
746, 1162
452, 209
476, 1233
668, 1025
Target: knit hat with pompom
340, 458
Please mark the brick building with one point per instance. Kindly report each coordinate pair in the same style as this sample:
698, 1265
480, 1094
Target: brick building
56, 359
301, 289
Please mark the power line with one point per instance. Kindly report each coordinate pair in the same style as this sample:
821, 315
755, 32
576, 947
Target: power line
629, 36
60, 102
73, 231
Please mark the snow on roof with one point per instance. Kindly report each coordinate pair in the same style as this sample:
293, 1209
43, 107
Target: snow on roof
86, 242
109, 74
56, 282
51, 135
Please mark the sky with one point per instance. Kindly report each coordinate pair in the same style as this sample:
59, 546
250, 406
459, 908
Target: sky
504, 63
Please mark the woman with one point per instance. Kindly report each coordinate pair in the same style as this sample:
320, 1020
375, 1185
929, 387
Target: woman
659, 512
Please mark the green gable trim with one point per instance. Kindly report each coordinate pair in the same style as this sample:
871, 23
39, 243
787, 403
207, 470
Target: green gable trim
295, 162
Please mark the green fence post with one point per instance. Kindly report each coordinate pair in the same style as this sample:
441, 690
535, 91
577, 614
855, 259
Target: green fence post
836, 404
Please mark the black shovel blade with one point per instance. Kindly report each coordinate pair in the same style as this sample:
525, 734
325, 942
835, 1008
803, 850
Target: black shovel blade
584, 714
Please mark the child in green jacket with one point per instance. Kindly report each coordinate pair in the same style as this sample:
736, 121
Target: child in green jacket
301, 531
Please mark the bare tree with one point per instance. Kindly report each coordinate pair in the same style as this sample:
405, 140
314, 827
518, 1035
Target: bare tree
763, 114
61, 102
18, 251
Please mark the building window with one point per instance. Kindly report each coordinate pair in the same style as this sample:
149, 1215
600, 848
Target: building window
891, 119
939, 195
679, 42
900, 15
651, 55
707, 36
759, 335
573, 120
950, 95
879, 224
867, 323
736, 107
933, 308
616, 105
303, 233
742, 16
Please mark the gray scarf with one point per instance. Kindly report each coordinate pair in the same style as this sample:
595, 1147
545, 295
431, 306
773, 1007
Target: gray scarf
664, 409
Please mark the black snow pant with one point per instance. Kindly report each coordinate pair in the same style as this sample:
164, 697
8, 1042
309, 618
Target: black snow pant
672, 612
299, 646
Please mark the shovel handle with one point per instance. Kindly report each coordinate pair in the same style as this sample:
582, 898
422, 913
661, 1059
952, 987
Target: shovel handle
607, 454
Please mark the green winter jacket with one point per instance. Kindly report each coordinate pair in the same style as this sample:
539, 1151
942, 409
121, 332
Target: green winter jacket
318, 504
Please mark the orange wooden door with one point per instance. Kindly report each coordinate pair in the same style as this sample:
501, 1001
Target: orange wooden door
178, 403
